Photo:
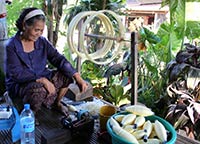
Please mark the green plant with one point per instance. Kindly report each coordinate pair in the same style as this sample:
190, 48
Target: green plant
109, 82
184, 91
113, 94
152, 79
183, 112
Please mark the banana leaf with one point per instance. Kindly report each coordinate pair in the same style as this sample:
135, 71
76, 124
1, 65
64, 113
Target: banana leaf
192, 30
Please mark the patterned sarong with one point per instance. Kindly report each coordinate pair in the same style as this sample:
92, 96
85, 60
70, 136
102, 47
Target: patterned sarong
36, 94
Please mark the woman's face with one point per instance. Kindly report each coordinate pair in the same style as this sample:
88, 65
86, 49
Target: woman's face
33, 32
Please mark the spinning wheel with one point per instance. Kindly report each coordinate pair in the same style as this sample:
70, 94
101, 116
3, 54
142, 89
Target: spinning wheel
99, 48
106, 29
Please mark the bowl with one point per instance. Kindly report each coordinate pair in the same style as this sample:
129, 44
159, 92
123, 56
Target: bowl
171, 139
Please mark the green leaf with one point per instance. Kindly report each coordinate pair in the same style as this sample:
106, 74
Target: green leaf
151, 37
192, 30
150, 67
116, 92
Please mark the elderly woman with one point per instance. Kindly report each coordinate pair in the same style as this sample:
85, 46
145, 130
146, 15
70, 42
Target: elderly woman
27, 57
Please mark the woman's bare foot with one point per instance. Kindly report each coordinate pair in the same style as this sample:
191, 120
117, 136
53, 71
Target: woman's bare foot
63, 109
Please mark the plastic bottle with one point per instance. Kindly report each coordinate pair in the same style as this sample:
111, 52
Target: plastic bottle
27, 125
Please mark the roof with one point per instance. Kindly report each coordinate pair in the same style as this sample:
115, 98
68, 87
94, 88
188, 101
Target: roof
145, 5
144, 1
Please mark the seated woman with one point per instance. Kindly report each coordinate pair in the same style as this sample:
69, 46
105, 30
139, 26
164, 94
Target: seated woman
27, 55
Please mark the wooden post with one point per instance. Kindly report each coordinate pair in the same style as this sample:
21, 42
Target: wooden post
134, 57
78, 63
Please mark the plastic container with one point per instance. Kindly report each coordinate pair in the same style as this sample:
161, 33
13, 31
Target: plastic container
118, 140
27, 125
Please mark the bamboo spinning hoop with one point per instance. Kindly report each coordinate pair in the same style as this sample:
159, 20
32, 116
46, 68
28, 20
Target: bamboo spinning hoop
82, 49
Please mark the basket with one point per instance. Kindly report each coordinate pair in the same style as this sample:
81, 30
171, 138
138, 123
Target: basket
119, 140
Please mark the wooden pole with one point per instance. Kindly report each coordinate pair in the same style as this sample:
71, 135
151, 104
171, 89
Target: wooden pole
134, 63
78, 63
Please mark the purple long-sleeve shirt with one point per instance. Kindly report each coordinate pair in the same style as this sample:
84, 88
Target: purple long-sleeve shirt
22, 67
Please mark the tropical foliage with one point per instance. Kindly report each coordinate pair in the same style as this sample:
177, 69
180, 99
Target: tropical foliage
93, 5
184, 89
153, 60
182, 99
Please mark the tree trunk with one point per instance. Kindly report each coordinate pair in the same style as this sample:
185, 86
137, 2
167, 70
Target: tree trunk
104, 4
53, 11
58, 14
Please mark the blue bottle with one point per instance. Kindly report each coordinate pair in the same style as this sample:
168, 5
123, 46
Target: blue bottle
27, 125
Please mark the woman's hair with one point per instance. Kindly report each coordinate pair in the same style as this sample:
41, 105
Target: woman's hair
20, 21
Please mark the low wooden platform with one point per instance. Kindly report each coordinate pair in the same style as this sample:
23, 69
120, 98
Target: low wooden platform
51, 131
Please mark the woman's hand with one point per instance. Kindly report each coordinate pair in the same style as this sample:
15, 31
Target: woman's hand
48, 85
81, 83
